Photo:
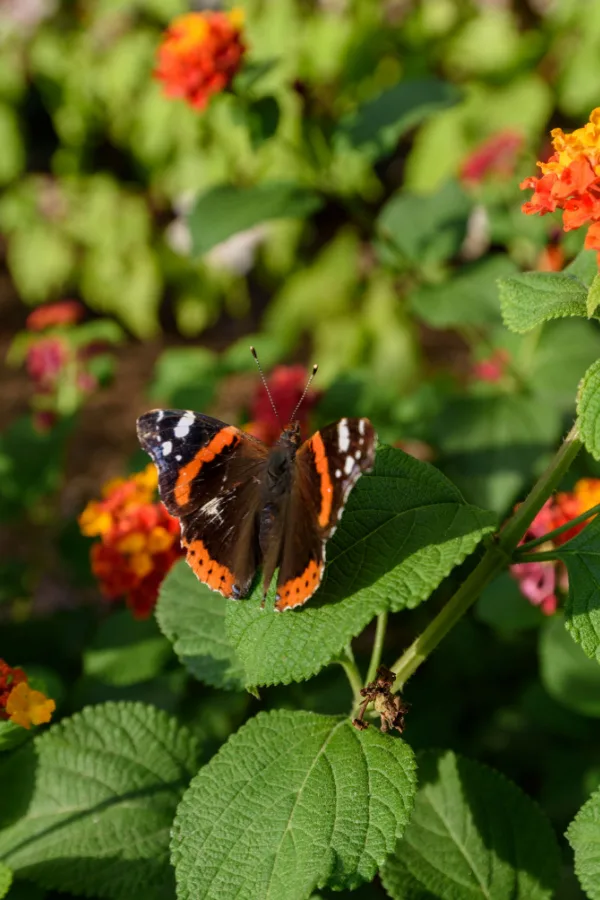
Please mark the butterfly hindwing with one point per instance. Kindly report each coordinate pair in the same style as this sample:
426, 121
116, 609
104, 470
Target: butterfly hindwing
327, 467
209, 477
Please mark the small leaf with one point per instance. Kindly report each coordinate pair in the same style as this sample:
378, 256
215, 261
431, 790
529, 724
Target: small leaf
12, 735
471, 296
225, 210
125, 651
105, 791
531, 298
584, 266
193, 618
263, 120
404, 529
292, 801
376, 127
185, 378
425, 229
6, 877
473, 833
593, 298
566, 672
581, 556
588, 410
583, 835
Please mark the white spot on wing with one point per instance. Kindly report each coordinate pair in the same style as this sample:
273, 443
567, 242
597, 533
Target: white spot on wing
160, 415
338, 473
167, 447
183, 426
178, 457
357, 455
361, 426
348, 465
212, 510
343, 435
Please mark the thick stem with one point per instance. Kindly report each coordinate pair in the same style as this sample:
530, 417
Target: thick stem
496, 558
377, 646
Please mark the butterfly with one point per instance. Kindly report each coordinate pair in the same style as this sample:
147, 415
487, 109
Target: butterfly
242, 504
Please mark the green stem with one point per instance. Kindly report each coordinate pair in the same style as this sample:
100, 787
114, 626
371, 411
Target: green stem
380, 629
353, 675
524, 548
535, 557
496, 558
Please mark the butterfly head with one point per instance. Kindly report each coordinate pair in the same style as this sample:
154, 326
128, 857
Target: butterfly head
290, 435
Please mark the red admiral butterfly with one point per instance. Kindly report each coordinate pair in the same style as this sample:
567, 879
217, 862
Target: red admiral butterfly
242, 504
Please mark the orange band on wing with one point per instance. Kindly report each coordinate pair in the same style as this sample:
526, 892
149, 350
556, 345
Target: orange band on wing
323, 469
217, 577
222, 439
297, 591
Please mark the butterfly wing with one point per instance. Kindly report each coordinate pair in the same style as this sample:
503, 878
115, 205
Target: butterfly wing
210, 478
328, 466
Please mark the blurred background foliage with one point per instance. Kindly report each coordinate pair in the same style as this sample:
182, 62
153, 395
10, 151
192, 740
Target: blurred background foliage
353, 201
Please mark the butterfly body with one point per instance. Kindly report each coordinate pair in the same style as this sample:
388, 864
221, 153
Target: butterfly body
242, 504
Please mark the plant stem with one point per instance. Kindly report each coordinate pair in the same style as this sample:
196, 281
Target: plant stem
382, 619
525, 548
535, 557
496, 557
353, 675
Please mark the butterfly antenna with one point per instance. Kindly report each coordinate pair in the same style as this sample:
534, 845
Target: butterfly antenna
304, 392
264, 381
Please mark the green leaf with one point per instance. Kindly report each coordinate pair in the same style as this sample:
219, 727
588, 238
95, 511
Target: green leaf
126, 651
6, 877
185, 378
576, 342
12, 735
473, 833
193, 618
225, 210
583, 835
425, 229
588, 409
292, 801
566, 672
470, 297
404, 529
107, 783
531, 298
503, 606
584, 266
263, 120
593, 298
376, 127
492, 446
581, 556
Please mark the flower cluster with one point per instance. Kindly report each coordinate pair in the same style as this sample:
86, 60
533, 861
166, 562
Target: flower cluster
539, 580
19, 703
200, 54
57, 361
571, 180
139, 540
286, 384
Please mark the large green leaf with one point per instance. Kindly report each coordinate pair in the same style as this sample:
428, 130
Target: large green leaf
492, 446
376, 126
100, 807
470, 297
531, 298
126, 651
6, 877
566, 672
588, 410
294, 800
472, 834
224, 210
193, 618
404, 529
584, 266
584, 837
581, 556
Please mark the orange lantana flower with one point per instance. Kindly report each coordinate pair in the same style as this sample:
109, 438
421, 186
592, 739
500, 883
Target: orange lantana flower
571, 180
19, 703
139, 540
200, 54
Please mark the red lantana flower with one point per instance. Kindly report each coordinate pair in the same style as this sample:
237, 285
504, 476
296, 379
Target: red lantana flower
139, 540
65, 312
286, 384
200, 54
495, 156
19, 703
570, 180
